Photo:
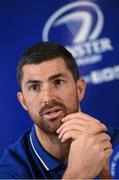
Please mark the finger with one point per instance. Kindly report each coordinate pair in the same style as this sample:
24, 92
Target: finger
108, 153
103, 137
68, 126
81, 125
72, 135
72, 127
82, 121
75, 121
106, 145
83, 117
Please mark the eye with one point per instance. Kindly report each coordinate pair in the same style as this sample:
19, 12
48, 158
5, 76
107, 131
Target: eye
58, 82
34, 87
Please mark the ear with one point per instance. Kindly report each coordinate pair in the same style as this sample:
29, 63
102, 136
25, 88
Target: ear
22, 100
81, 86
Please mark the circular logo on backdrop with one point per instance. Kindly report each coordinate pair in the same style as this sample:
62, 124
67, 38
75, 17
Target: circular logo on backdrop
78, 26
82, 20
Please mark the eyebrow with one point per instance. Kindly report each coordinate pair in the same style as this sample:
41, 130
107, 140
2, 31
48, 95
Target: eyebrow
33, 82
50, 78
56, 76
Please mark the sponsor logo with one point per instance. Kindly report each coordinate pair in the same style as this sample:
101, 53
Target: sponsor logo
104, 75
78, 26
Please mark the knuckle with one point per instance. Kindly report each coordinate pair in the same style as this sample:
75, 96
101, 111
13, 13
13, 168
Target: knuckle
110, 145
97, 121
108, 152
104, 126
66, 135
106, 136
109, 138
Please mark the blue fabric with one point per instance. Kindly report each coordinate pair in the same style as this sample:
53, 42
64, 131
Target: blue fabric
114, 160
114, 134
20, 160
28, 159
114, 163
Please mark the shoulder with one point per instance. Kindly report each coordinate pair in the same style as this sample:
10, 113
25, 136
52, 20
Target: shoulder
114, 159
13, 163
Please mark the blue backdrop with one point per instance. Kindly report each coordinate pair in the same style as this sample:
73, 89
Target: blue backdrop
89, 29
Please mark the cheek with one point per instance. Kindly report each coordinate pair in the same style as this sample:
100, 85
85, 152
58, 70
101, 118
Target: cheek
71, 97
32, 104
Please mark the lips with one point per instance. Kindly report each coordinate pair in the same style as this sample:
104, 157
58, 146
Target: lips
52, 113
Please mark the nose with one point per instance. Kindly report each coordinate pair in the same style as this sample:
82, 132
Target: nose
48, 95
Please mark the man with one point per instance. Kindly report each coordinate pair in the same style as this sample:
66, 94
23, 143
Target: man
64, 143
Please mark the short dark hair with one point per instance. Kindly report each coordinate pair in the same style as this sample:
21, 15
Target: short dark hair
45, 51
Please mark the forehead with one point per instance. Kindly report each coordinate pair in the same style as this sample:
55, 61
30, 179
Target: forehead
45, 69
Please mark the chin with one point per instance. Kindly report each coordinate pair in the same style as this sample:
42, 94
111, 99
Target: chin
51, 127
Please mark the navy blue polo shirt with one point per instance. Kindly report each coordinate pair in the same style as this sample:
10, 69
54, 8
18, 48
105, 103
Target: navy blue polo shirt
27, 159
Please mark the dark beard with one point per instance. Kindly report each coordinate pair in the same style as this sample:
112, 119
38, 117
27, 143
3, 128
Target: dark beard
44, 124
56, 122
47, 126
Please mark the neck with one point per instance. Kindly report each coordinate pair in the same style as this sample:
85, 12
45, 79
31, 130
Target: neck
52, 145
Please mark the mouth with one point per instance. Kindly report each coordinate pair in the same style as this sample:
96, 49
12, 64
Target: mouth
52, 113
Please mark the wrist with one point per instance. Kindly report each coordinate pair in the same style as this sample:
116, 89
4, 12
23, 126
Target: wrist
72, 174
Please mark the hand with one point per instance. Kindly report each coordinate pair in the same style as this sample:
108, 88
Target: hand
78, 123
87, 156
105, 172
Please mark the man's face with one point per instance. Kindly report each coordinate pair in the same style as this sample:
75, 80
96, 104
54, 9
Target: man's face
49, 93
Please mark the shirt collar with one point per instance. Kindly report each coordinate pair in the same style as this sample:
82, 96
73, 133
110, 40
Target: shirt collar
48, 161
